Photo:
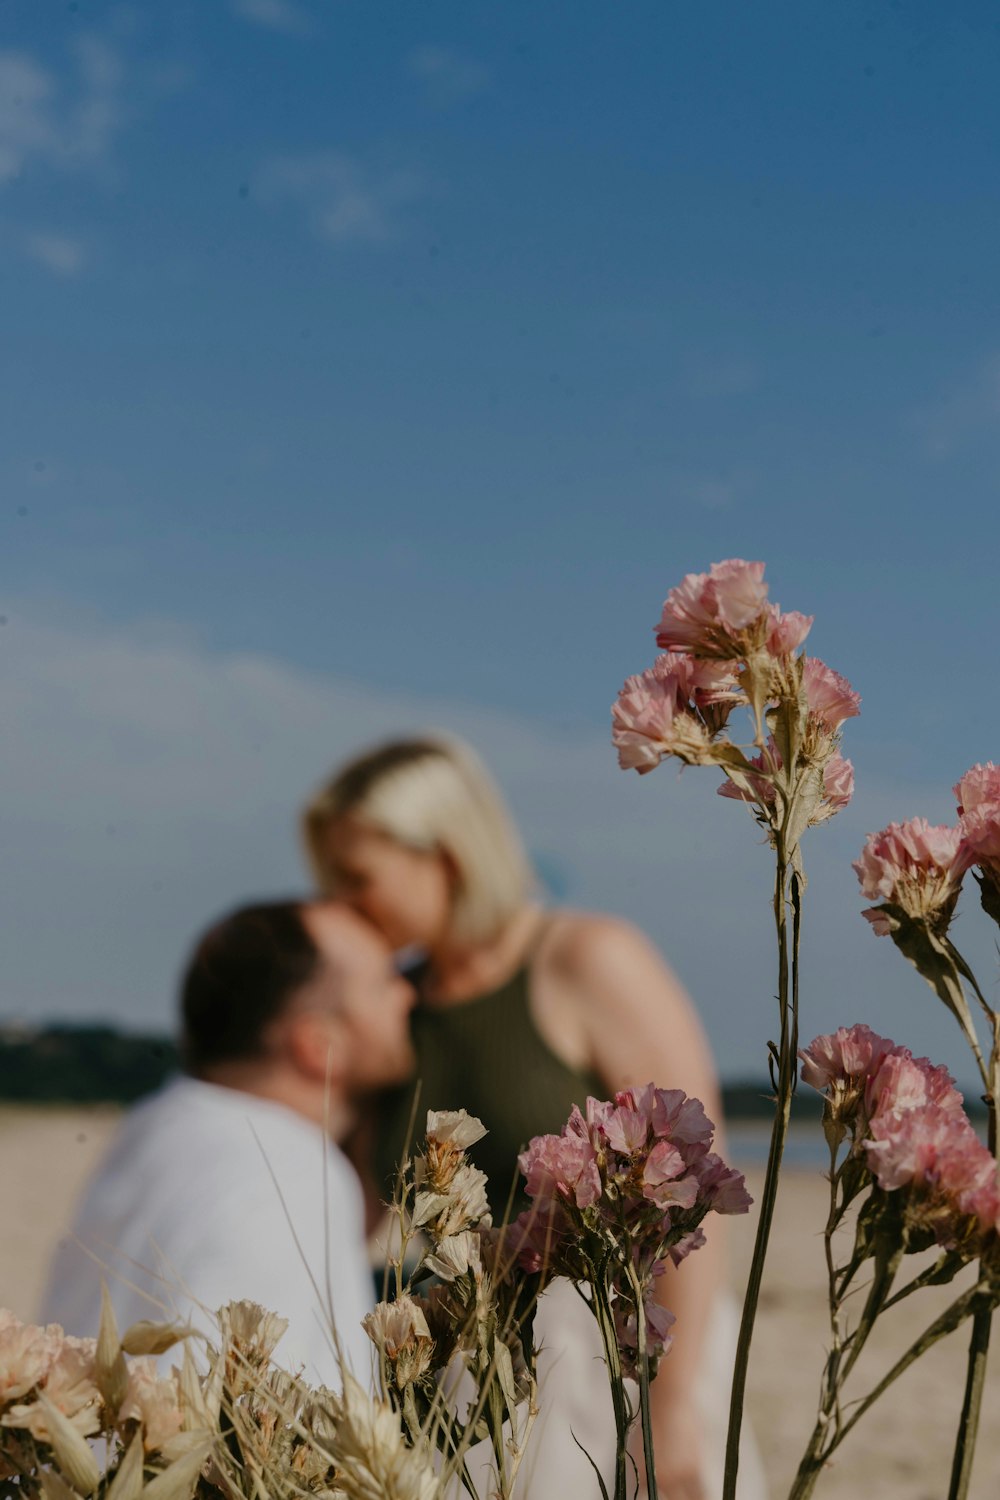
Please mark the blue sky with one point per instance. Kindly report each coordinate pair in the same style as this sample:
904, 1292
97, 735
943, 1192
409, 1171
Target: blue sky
403, 357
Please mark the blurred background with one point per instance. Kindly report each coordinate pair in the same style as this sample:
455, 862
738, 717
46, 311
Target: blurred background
369, 367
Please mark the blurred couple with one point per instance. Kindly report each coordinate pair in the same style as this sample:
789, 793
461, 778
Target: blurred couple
510, 1010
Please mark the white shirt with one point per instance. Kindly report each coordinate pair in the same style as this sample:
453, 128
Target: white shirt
186, 1207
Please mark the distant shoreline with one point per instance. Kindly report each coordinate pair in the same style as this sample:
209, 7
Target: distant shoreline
79, 1065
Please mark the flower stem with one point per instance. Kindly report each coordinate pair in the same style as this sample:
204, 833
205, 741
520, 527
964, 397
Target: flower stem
818, 1453
623, 1417
779, 1131
968, 1425
982, 1320
645, 1415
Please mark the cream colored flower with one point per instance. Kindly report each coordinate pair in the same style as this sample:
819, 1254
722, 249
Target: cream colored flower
466, 1204
26, 1355
454, 1128
69, 1388
153, 1402
249, 1335
399, 1331
455, 1255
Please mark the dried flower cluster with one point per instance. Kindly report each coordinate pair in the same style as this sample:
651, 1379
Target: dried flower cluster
475, 1318
619, 1193
914, 870
235, 1427
726, 645
908, 1126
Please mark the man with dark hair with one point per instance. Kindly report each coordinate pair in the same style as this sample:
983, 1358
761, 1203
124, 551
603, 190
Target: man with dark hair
228, 1183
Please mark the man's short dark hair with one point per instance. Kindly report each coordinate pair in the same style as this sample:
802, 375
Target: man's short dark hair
239, 979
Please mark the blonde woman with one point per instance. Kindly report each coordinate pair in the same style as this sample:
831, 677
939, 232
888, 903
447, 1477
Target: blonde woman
521, 1013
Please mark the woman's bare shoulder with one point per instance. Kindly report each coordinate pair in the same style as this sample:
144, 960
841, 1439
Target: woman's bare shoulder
583, 944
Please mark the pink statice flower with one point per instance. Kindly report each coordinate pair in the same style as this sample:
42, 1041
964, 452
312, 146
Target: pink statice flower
786, 631
562, 1166
760, 787
650, 719
633, 1174
901, 1081
950, 1178
830, 697
665, 1178
916, 866
979, 787
848, 1055
980, 830
724, 1188
910, 1127
838, 782
659, 1321
675, 707
707, 613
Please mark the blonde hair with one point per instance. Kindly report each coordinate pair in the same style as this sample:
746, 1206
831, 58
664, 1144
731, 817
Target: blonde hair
432, 794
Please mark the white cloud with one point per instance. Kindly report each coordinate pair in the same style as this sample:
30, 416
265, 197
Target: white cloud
152, 783
275, 15
970, 410
345, 200
61, 125
447, 76
58, 253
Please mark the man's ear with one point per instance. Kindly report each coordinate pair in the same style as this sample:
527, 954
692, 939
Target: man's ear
317, 1044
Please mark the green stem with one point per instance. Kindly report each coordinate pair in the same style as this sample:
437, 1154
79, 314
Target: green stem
779, 1131
884, 1275
982, 1323
623, 1417
645, 1415
817, 1455
968, 1425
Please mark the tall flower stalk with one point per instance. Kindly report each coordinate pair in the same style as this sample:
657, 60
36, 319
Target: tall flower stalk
725, 646
905, 1160
914, 871
616, 1197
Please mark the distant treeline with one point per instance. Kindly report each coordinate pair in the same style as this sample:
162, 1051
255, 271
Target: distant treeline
81, 1065
99, 1065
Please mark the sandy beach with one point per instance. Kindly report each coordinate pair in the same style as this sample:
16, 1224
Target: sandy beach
901, 1451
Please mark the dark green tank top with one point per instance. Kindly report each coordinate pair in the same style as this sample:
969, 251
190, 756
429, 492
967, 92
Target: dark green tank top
485, 1056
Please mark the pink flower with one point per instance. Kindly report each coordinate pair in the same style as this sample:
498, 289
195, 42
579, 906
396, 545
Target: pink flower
848, 1054
681, 1119
838, 782
722, 1187
683, 1248
664, 1181
901, 1082
830, 697
978, 788
658, 1337
980, 830
952, 1177
561, 1166
650, 719
707, 611
786, 632
914, 865
761, 788
627, 1129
